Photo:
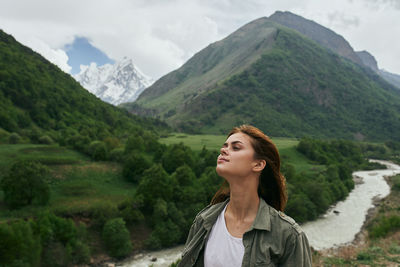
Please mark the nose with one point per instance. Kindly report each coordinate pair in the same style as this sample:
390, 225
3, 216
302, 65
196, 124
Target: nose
223, 151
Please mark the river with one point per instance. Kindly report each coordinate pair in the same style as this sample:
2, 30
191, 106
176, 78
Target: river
338, 226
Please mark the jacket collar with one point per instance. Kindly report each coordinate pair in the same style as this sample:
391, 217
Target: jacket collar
261, 222
210, 215
263, 217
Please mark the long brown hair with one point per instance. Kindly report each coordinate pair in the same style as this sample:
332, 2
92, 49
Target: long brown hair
272, 186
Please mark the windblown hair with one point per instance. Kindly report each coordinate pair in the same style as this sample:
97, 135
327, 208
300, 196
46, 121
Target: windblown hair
272, 186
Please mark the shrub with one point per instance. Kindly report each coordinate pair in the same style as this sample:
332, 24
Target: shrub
167, 232
130, 212
45, 139
55, 254
116, 238
396, 183
78, 252
153, 242
97, 150
160, 211
117, 155
364, 256
375, 250
384, 226
394, 249
102, 212
77, 141
111, 143
175, 264
25, 184
4, 136
14, 138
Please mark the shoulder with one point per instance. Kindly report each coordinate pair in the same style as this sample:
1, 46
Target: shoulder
210, 212
292, 223
283, 222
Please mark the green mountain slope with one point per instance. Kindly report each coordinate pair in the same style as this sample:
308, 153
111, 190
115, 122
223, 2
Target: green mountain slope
37, 97
291, 86
213, 64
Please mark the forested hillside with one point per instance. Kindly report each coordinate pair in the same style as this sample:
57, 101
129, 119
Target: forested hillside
60, 207
37, 99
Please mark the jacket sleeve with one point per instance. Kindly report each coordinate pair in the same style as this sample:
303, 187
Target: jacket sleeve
188, 249
297, 252
193, 229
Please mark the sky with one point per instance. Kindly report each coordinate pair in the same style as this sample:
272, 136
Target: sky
82, 52
162, 35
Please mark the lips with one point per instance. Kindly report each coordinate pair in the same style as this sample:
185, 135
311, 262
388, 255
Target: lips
223, 159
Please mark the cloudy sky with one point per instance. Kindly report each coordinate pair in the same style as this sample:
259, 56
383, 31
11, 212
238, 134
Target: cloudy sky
161, 35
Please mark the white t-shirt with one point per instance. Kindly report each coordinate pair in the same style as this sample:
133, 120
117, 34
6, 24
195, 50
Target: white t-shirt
222, 249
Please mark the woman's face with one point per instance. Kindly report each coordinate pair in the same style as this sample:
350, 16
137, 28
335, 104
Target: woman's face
236, 157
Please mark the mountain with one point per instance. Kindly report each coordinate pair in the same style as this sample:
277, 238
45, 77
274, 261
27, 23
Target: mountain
370, 61
36, 97
390, 77
279, 80
333, 41
316, 32
115, 84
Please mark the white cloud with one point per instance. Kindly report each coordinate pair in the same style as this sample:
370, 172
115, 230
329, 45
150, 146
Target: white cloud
55, 56
161, 35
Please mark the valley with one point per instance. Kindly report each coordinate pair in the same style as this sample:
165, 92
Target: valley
85, 182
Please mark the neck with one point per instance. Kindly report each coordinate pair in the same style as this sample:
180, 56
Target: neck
244, 200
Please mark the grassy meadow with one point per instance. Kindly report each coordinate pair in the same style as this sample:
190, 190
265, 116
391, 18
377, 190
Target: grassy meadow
76, 183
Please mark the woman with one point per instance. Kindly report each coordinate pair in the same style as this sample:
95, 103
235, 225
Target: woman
244, 224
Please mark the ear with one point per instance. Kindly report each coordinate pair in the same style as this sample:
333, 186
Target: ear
259, 165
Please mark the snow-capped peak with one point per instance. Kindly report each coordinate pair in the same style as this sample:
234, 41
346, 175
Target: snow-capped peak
117, 83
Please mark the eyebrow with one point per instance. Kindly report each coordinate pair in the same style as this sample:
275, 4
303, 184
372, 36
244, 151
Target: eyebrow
234, 142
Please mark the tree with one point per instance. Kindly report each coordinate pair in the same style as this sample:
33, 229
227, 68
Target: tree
134, 143
134, 166
155, 183
116, 238
25, 184
184, 175
19, 246
62, 242
175, 156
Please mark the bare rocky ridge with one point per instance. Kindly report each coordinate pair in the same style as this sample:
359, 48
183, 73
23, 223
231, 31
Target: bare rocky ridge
318, 33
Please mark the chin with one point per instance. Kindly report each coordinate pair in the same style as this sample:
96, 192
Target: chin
220, 171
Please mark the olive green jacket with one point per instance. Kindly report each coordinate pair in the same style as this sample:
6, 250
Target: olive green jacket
274, 239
